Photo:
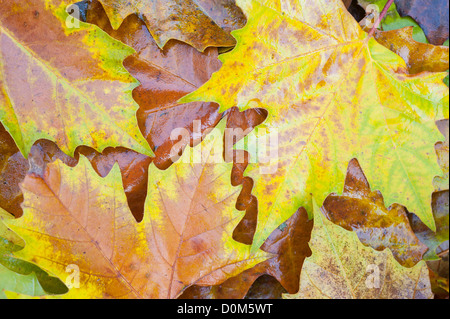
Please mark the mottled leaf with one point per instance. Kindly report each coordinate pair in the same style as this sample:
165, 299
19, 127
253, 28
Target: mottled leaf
439, 277
431, 15
133, 167
340, 267
13, 167
347, 3
166, 76
440, 205
392, 20
74, 217
200, 23
21, 276
332, 95
64, 82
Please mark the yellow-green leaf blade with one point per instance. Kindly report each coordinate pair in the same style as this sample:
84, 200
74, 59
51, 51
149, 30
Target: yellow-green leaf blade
64, 82
200, 23
341, 267
332, 95
77, 219
20, 276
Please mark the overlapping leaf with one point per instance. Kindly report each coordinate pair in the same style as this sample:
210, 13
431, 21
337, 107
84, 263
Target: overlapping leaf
165, 76
439, 277
289, 246
363, 211
13, 167
9, 240
392, 20
200, 23
332, 95
20, 276
133, 168
440, 205
340, 267
442, 151
419, 57
73, 216
64, 82
432, 17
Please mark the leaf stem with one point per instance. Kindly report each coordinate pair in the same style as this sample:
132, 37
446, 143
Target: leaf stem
381, 17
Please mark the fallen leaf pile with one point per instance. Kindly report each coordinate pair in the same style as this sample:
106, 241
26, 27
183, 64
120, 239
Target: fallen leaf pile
223, 149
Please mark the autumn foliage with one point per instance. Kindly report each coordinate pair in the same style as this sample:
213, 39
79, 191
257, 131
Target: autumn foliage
224, 149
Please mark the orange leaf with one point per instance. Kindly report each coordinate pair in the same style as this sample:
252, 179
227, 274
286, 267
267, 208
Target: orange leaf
74, 217
363, 211
200, 23
419, 57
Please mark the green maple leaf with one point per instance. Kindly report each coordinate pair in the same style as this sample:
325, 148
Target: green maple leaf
332, 95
